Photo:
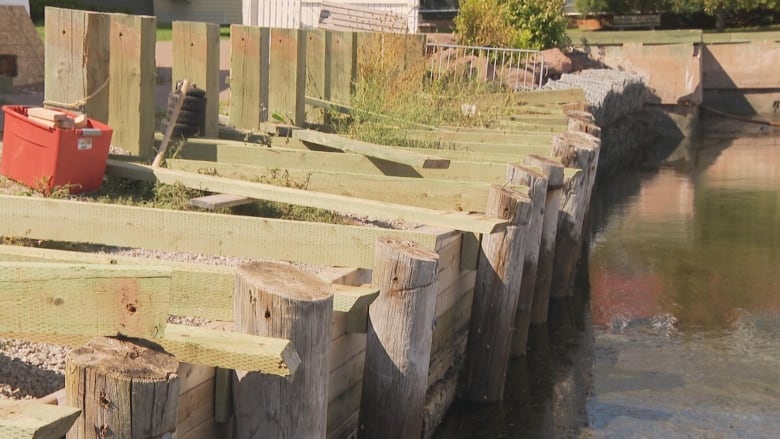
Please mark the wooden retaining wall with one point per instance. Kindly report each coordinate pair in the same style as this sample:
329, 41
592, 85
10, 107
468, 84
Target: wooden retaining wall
473, 200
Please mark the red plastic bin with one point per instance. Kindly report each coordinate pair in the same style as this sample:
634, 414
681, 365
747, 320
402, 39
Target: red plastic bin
43, 158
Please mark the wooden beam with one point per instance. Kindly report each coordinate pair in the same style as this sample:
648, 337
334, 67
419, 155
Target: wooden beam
227, 235
77, 54
84, 300
408, 157
133, 78
249, 58
286, 158
35, 420
482, 138
433, 194
377, 209
287, 75
197, 290
196, 57
219, 201
230, 350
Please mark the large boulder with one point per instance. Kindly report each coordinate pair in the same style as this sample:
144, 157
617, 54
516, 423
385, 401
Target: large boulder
556, 63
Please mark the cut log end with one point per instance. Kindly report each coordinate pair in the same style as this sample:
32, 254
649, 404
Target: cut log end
132, 360
285, 281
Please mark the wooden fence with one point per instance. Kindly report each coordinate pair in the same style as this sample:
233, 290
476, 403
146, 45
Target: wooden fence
499, 216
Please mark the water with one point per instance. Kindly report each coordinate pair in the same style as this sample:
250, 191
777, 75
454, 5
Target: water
680, 336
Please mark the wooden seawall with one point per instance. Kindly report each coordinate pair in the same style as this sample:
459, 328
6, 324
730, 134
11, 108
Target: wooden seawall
395, 325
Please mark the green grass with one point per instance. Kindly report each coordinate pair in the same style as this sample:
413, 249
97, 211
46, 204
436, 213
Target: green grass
164, 31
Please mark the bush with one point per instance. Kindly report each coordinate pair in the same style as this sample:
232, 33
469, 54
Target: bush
484, 23
524, 24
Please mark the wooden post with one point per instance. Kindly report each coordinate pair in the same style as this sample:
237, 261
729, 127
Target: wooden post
133, 70
278, 300
248, 76
541, 296
340, 66
315, 72
124, 389
537, 182
287, 75
77, 61
196, 57
499, 272
398, 347
576, 151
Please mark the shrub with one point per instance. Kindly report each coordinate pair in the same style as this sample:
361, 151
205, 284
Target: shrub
540, 23
484, 23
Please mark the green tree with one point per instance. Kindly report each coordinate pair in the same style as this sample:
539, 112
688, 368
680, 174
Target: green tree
484, 23
540, 24
525, 24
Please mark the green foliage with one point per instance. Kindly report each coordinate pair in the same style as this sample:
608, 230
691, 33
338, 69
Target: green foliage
484, 23
524, 24
541, 23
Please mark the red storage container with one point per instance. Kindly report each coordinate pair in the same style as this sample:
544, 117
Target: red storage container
43, 158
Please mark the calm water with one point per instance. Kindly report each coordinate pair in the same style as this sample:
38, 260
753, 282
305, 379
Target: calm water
680, 336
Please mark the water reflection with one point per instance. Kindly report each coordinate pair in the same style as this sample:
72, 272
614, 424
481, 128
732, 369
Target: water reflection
680, 335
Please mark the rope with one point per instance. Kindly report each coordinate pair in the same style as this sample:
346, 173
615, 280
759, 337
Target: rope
81, 103
742, 118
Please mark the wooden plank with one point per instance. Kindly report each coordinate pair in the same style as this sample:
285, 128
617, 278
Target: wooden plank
452, 220
378, 151
340, 66
249, 63
195, 407
428, 193
126, 226
354, 302
197, 290
230, 350
77, 60
219, 201
483, 138
452, 321
287, 74
34, 420
133, 72
316, 62
196, 57
344, 406
55, 298
285, 158
348, 429
346, 375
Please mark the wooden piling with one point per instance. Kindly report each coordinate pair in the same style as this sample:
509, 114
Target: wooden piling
541, 294
576, 150
499, 272
537, 182
279, 300
286, 93
249, 58
125, 389
398, 348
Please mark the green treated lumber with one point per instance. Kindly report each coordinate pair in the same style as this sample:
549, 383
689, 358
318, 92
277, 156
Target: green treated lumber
486, 138
196, 57
230, 350
133, 74
740, 37
488, 156
194, 232
368, 149
340, 65
354, 301
76, 54
287, 75
249, 58
35, 420
55, 298
197, 290
618, 38
339, 203
433, 194
290, 158
522, 127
